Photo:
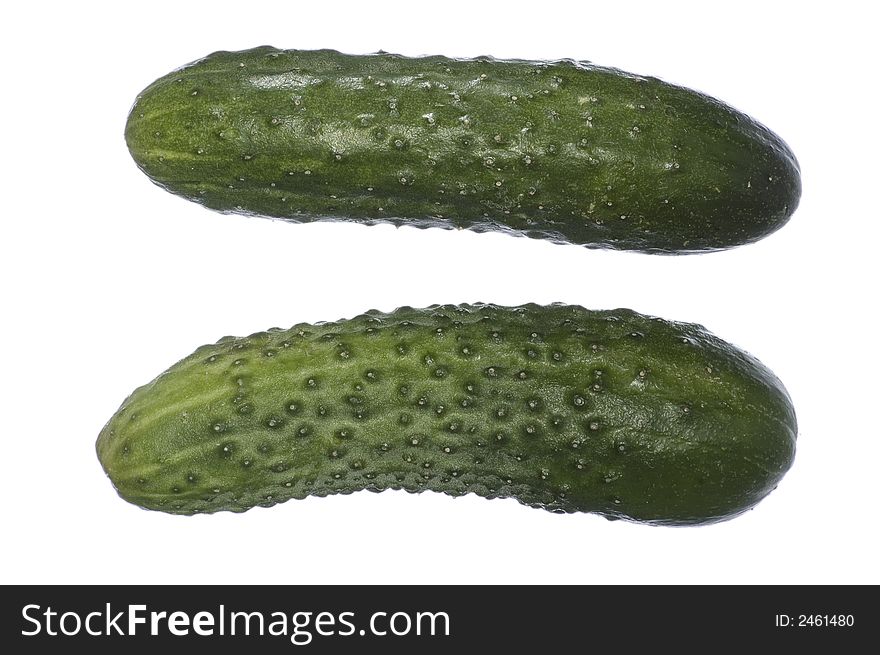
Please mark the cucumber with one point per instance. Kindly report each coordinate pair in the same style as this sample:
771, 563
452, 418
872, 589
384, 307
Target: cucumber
556, 406
561, 150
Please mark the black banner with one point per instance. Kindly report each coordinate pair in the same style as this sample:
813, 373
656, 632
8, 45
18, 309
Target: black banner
280, 619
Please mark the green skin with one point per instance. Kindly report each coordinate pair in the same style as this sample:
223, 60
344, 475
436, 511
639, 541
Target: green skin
560, 150
559, 407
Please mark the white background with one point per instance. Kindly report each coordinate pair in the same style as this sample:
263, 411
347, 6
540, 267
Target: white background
107, 280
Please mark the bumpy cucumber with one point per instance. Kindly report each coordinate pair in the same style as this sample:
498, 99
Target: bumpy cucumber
559, 407
559, 150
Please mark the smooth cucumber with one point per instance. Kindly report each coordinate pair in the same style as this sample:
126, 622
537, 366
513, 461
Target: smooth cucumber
558, 150
556, 406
